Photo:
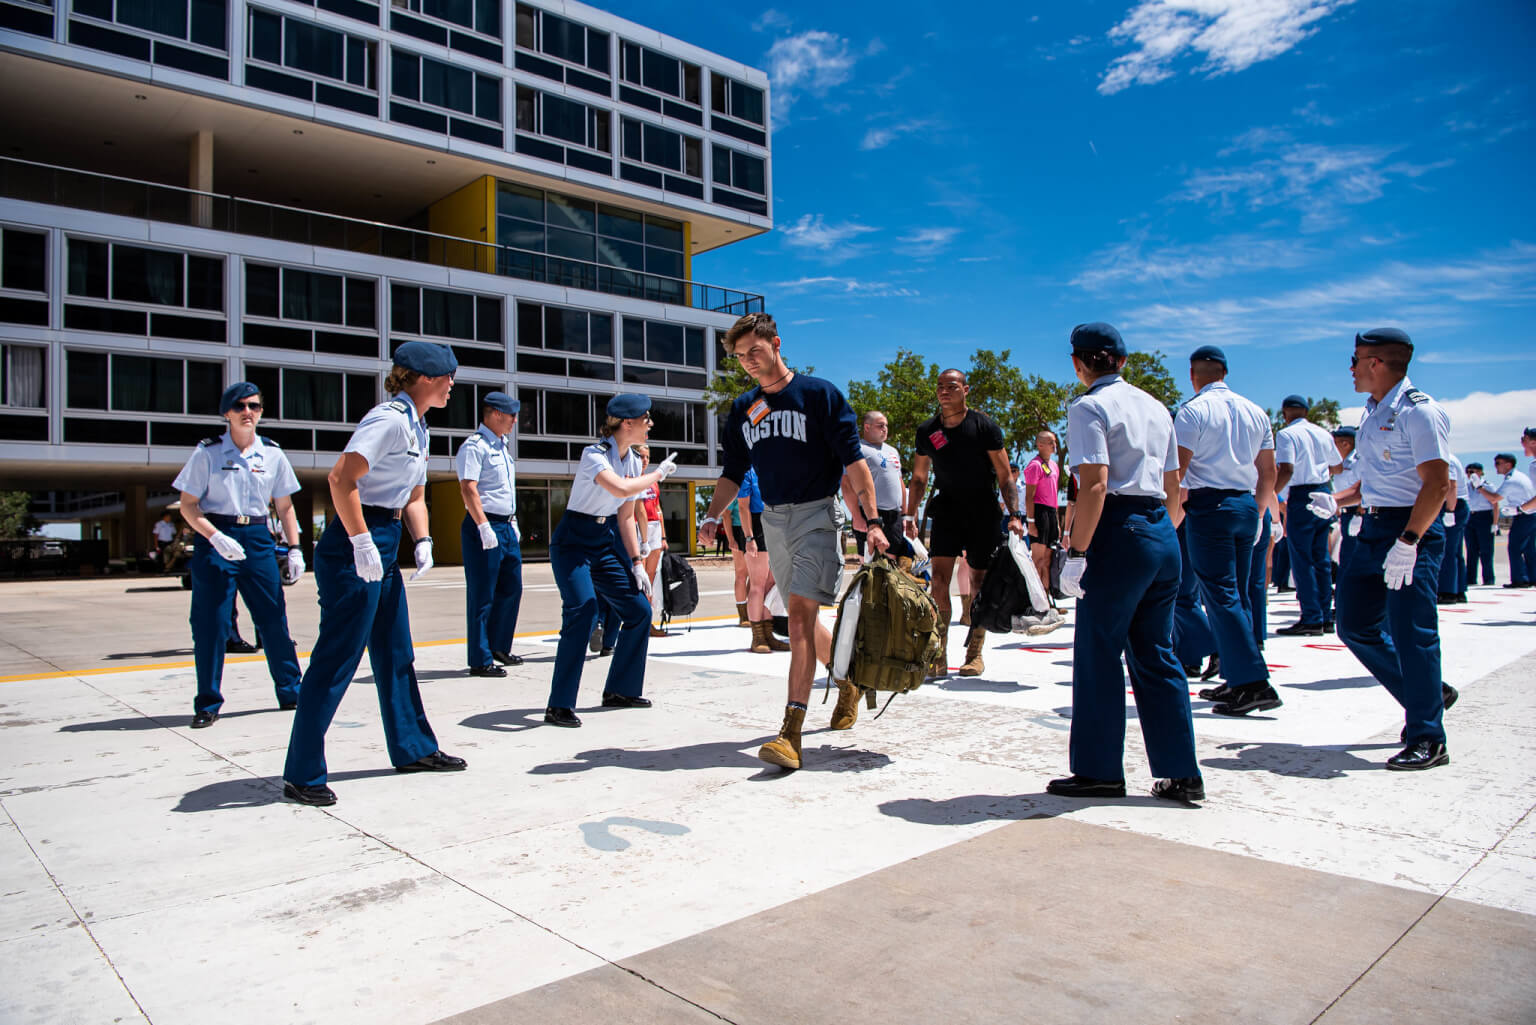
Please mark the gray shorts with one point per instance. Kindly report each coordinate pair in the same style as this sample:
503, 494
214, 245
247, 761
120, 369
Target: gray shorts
803, 549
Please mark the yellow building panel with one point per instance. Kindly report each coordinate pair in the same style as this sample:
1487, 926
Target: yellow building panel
445, 507
469, 213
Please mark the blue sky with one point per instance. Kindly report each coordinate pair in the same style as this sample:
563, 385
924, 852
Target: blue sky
1266, 175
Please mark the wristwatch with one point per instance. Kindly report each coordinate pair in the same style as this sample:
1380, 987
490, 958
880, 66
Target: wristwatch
1409, 537
1076, 553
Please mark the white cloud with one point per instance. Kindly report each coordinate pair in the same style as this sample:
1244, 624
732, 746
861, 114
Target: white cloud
1230, 35
831, 241
811, 61
1134, 263
807, 320
848, 288
1313, 115
879, 138
928, 242
771, 19
1480, 422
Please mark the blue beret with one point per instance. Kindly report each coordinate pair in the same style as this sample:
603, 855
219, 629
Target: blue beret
1473, 466
1211, 353
1529, 432
1295, 400
234, 393
1506, 457
426, 358
1097, 337
629, 405
501, 402
1384, 336
1344, 432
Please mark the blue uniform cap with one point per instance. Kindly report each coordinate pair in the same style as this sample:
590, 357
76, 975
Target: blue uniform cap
1295, 400
1474, 466
1506, 457
1344, 432
1098, 337
426, 358
1529, 432
234, 393
1211, 353
1384, 336
629, 405
501, 402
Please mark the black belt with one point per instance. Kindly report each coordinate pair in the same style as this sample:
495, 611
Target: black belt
1234, 492
499, 517
220, 520
1384, 510
1307, 489
1136, 501
588, 516
380, 512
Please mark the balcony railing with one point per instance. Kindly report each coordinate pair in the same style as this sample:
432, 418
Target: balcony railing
128, 197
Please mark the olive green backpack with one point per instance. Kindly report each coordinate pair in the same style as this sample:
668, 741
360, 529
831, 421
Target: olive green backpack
887, 632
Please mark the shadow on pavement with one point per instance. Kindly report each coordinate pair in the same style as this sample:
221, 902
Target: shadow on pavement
167, 653
1298, 760
717, 755
972, 808
507, 720
980, 684
144, 722
254, 793
162, 587
1343, 683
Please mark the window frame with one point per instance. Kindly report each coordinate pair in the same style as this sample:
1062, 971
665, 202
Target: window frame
598, 121
5, 377
395, 96
477, 299
185, 39
683, 66
113, 355
683, 140
273, 411
184, 307
370, 51
539, 42
727, 110
414, 7
47, 265
731, 154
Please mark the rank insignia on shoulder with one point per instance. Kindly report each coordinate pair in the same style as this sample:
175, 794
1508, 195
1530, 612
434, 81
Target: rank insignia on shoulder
1415, 396
208, 443
268, 441
398, 405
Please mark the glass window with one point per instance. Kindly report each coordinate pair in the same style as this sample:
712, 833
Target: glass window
746, 103
567, 413
205, 283
23, 263
445, 86
569, 212
622, 224
314, 49
488, 320
571, 244
88, 262
362, 395
447, 314
266, 37
261, 290
85, 380
519, 201
602, 335
405, 75
405, 309
664, 233
564, 39
661, 73
634, 339
208, 20
205, 383
165, 18
664, 342
565, 330
662, 147
23, 376
313, 395
147, 275
145, 384
527, 36
269, 380
361, 298
530, 325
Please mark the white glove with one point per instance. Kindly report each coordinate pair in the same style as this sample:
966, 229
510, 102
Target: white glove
227, 546
1322, 505
1355, 524
487, 536
1399, 565
517, 535
423, 558
1449, 519
640, 578
295, 563
1475, 481
365, 556
668, 466
1072, 576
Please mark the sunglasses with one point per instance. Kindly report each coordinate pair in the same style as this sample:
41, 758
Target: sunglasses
1354, 361
240, 407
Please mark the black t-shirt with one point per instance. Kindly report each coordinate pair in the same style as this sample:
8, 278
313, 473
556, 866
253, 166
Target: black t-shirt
960, 454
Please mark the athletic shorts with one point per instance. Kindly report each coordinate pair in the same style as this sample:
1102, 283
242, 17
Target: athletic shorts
653, 533
741, 536
968, 525
1047, 526
895, 533
804, 549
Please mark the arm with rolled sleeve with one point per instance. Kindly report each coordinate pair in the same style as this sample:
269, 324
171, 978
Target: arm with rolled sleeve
1088, 441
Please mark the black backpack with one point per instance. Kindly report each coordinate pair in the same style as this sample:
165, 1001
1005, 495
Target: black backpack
680, 587
1004, 594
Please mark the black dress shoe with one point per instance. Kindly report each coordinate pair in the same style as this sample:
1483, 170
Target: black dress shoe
1421, 754
1300, 630
506, 658
1250, 697
203, 720
1220, 692
1445, 599
287, 706
319, 796
1085, 786
1284, 590
561, 717
595, 642
239, 647
491, 670
1190, 672
435, 762
605, 651
621, 701
1448, 695
1212, 668
1186, 791
1328, 627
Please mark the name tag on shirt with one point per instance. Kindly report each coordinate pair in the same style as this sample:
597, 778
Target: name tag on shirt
939, 439
757, 411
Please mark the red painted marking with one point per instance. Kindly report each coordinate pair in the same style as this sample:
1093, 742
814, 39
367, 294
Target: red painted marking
1327, 647
1460, 612
1271, 665
1047, 651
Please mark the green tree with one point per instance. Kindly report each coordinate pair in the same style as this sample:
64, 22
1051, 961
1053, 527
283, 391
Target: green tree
904, 391
728, 382
1323, 412
1149, 372
15, 520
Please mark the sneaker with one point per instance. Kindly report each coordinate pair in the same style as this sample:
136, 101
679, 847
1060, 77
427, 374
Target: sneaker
1052, 620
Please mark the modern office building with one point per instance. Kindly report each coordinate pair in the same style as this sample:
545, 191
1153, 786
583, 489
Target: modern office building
194, 192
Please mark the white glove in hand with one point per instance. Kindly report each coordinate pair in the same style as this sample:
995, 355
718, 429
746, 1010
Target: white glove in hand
1072, 577
227, 546
668, 466
1475, 480
295, 564
487, 535
1398, 569
641, 579
1449, 519
1322, 505
423, 558
1355, 524
365, 556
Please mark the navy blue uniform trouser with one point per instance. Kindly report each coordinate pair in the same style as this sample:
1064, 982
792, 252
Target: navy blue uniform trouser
1453, 567
1307, 536
1193, 641
1220, 529
1129, 590
354, 615
589, 562
1257, 598
493, 581
1480, 545
1347, 518
1281, 566
214, 583
1396, 634
1522, 548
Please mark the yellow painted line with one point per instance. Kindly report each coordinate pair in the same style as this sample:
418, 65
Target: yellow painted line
237, 659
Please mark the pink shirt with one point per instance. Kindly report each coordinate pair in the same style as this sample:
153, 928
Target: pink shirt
1049, 475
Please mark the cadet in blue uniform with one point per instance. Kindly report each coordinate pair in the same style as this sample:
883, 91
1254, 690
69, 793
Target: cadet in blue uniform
379, 481
1226, 456
1453, 567
1387, 613
1479, 535
1516, 498
1124, 570
595, 552
1305, 460
493, 558
1346, 493
224, 489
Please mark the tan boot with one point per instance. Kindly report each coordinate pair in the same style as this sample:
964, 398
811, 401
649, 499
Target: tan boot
965, 610
759, 646
846, 712
940, 667
774, 644
974, 642
741, 614
784, 750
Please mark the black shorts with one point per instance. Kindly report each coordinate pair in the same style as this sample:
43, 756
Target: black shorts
741, 537
1047, 526
965, 524
895, 533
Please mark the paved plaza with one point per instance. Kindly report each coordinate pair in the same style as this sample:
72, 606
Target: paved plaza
648, 868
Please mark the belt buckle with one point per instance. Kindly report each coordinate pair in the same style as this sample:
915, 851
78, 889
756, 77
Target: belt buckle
242, 521
601, 519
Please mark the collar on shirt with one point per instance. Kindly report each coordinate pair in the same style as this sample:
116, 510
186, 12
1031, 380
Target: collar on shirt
1104, 382
1213, 386
495, 440
1391, 398
228, 445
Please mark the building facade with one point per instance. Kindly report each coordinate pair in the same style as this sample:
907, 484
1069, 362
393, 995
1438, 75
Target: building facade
194, 192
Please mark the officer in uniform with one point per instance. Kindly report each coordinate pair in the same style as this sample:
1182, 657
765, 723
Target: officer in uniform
225, 487
1226, 456
1387, 613
1305, 459
1346, 493
1516, 498
493, 560
1479, 528
379, 481
595, 553
1453, 567
1124, 570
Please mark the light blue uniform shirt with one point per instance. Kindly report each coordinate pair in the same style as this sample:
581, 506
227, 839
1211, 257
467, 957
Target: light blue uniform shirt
1459, 478
1224, 433
1475, 500
1122, 427
1515, 492
486, 459
1347, 476
587, 496
393, 438
1398, 433
226, 482
1309, 449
